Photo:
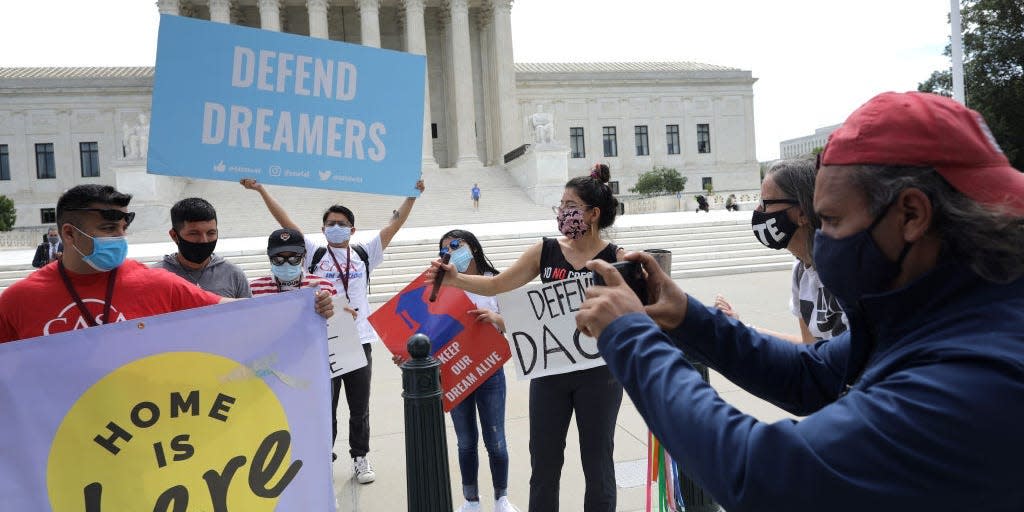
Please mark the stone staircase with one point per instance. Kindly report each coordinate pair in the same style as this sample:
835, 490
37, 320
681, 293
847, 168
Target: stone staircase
719, 245
446, 201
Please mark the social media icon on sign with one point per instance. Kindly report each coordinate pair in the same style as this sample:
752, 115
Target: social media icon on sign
275, 170
219, 167
325, 175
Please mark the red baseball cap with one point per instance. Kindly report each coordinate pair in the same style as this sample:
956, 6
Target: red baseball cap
917, 129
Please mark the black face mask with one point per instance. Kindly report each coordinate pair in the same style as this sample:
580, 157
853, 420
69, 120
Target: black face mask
774, 230
195, 252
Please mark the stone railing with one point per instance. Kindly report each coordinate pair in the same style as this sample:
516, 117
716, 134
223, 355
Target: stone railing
20, 238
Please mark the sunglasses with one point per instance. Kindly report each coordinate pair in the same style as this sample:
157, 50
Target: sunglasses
110, 214
766, 202
452, 246
280, 260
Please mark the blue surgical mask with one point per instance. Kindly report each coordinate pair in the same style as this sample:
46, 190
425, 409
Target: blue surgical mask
286, 272
108, 252
854, 266
461, 258
337, 234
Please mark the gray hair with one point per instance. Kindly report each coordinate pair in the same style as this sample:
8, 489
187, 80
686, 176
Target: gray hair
795, 178
989, 241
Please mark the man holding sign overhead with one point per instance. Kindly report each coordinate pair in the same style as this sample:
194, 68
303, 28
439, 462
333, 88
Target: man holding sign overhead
348, 268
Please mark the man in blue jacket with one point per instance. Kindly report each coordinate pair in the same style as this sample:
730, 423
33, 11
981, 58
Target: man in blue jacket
919, 405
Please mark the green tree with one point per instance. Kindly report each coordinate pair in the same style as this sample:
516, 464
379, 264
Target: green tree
660, 180
7, 214
993, 35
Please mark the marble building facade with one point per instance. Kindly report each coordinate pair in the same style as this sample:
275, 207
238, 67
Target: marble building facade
63, 126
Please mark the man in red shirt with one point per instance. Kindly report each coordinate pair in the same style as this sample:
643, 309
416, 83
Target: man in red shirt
92, 283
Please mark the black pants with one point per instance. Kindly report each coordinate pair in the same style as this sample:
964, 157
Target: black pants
357, 394
594, 395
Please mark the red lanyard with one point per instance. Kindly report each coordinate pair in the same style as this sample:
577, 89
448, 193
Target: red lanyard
86, 315
344, 275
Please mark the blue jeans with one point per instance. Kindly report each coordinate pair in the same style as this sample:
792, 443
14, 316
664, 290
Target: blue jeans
489, 399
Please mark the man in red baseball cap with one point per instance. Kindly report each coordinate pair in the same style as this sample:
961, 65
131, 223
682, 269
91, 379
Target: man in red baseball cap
917, 406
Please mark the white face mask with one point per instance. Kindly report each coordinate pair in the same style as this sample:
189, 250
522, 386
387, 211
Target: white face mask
337, 234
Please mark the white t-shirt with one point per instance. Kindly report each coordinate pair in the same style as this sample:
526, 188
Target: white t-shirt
818, 308
357, 273
485, 301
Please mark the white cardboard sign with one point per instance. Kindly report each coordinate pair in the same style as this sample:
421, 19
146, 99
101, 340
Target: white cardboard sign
541, 326
344, 349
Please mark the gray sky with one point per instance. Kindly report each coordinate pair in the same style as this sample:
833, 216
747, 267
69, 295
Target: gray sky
815, 60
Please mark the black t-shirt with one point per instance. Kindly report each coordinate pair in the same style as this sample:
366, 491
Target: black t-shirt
554, 267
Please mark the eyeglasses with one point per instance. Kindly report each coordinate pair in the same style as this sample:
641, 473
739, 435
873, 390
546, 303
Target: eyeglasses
280, 260
569, 206
110, 214
765, 202
452, 246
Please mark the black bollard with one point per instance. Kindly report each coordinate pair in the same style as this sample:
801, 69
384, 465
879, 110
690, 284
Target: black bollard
428, 486
695, 498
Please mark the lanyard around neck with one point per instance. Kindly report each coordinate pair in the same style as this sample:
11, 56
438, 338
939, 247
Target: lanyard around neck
344, 275
86, 315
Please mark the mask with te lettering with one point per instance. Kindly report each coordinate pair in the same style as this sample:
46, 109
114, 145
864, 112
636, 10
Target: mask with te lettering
774, 230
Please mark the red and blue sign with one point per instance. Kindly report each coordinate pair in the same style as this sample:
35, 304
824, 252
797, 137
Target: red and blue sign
469, 351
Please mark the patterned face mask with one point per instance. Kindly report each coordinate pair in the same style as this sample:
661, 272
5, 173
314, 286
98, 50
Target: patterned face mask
570, 223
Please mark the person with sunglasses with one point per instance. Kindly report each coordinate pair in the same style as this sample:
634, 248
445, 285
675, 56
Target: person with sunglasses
786, 219
286, 249
467, 256
593, 395
93, 283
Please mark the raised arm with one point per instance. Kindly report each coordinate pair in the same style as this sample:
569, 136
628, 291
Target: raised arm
521, 272
388, 232
273, 206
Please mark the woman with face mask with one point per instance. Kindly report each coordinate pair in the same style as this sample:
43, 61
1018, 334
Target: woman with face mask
785, 219
593, 395
488, 400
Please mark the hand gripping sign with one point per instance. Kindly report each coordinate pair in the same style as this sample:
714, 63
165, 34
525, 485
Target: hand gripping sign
469, 351
541, 322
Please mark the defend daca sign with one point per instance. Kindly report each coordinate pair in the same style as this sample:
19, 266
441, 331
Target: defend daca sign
541, 322
216, 408
233, 102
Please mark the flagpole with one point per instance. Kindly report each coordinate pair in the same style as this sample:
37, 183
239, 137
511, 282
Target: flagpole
957, 44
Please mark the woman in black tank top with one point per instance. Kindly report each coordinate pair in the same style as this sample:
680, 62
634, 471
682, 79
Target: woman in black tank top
587, 207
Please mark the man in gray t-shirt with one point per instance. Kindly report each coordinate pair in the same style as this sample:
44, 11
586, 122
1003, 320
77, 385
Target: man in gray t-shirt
194, 231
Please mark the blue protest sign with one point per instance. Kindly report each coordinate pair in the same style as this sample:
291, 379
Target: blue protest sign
232, 102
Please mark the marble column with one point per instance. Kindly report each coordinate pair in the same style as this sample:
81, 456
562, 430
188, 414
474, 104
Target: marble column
505, 76
220, 11
463, 85
169, 7
416, 42
270, 15
317, 10
369, 22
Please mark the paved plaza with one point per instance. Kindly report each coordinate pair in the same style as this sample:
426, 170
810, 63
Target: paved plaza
761, 298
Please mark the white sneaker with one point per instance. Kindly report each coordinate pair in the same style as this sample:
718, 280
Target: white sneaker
363, 470
469, 506
502, 505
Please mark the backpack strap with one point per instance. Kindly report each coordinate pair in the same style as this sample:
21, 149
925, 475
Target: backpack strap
317, 256
361, 251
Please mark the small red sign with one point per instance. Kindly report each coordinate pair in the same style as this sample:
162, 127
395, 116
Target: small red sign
469, 351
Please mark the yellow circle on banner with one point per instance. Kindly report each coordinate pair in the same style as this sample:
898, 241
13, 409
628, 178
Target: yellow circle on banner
183, 430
